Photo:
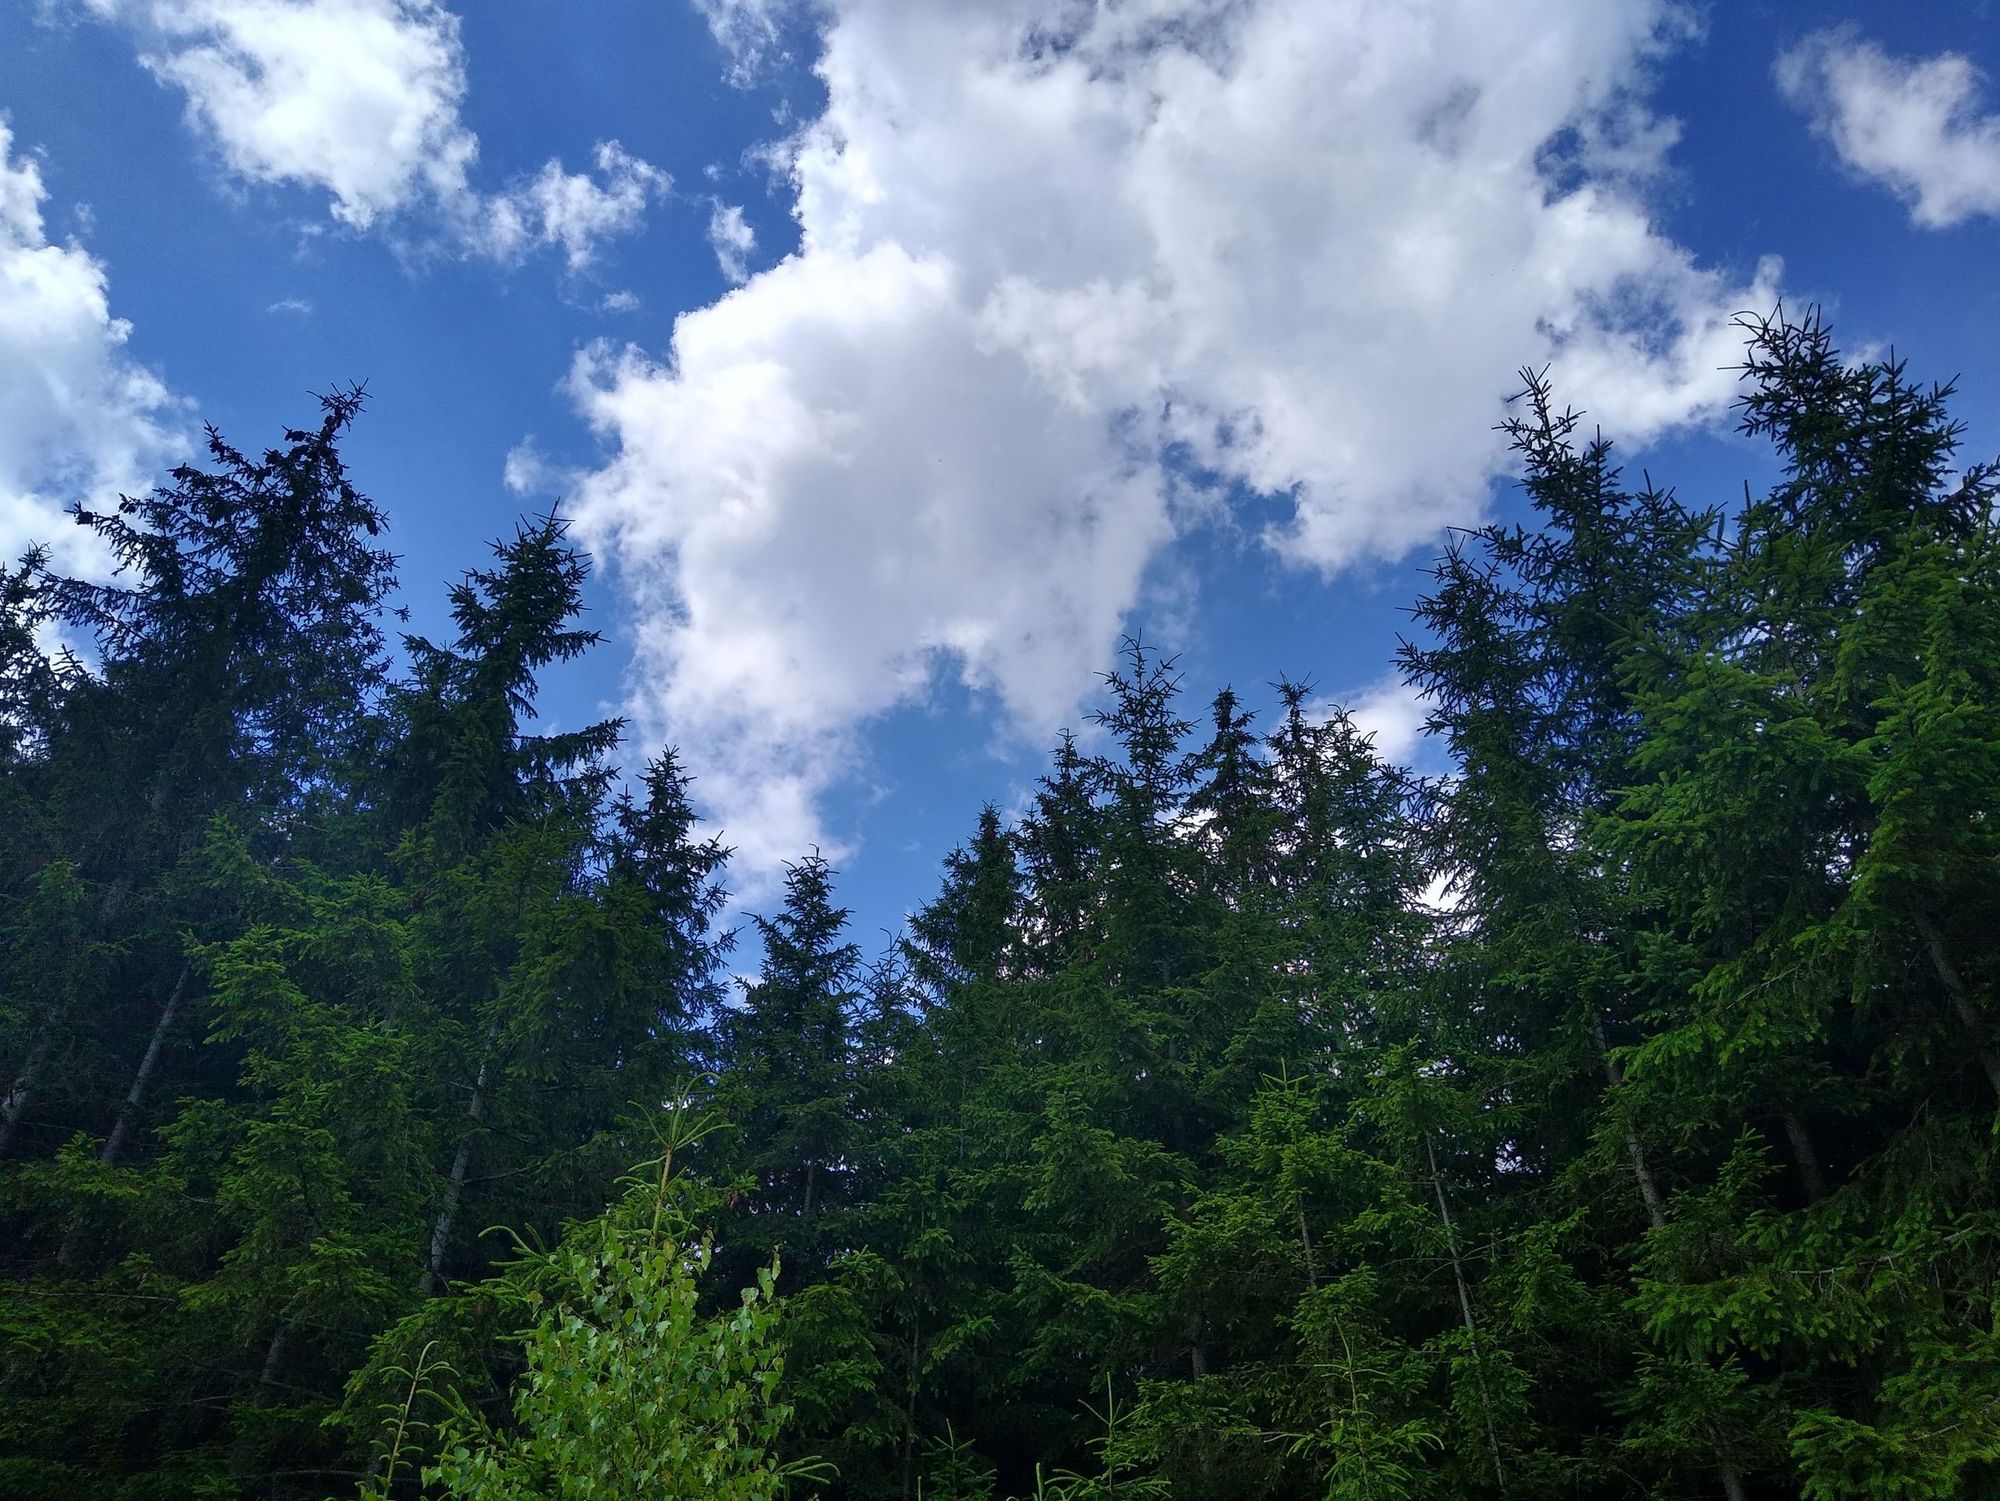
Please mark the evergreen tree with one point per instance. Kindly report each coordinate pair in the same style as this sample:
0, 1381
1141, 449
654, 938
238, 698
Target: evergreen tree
1531, 633
1188, 1143
790, 1054
1830, 1083
236, 651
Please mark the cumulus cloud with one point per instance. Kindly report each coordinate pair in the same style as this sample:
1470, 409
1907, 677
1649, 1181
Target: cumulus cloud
573, 209
732, 240
1918, 126
360, 99
80, 419
793, 574
1392, 712
1056, 259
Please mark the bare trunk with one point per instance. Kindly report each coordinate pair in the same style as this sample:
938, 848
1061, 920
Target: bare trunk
447, 1218
1197, 1348
1656, 1212
273, 1354
21, 1091
812, 1169
1804, 1155
461, 1164
1961, 998
20, 1094
136, 1095
1465, 1311
1656, 1209
1306, 1240
114, 896
910, 1409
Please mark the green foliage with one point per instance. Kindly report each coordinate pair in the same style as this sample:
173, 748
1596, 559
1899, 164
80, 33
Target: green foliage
628, 1388
1185, 1145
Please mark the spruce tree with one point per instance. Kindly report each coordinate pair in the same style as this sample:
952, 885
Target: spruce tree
789, 1051
236, 650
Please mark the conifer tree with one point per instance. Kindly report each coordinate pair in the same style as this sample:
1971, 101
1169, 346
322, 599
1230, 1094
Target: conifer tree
1186, 1144
496, 826
1830, 1083
235, 651
789, 1049
1530, 634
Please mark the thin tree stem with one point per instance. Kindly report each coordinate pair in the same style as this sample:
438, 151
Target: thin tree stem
1306, 1241
114, 1144
1656, 1210
461, 1162
1961, 997
22, 1091
1465, 1311
1804, 1154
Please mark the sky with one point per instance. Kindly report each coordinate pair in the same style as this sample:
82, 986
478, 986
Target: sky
895, 358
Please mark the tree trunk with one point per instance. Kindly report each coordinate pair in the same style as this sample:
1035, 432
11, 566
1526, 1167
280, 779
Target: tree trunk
910, 1408
135, 1096
461, 1164
1961, 998
1306, 1241
121, 888
1656, 1209
1804, 1155
273, 1354
447, 1218
1656, 1212
21, 1091
1465, 1311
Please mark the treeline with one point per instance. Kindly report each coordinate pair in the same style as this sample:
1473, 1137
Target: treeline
1613, 1117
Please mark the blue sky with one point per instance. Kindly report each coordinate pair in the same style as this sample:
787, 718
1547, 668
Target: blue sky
896, 355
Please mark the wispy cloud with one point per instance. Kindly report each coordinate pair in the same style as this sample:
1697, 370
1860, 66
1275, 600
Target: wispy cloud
1920, 127
749, 33
732, 240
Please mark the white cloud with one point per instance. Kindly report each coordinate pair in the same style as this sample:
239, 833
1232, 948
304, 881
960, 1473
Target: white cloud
528, 471
80, 420
623, 301
732, 240
296, 305
573, 210
361, 99
1916, 126
1391, 711
1051, 253
794, 575
748, 32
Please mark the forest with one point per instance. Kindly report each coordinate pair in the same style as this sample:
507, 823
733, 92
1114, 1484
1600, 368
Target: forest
1611, 1117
